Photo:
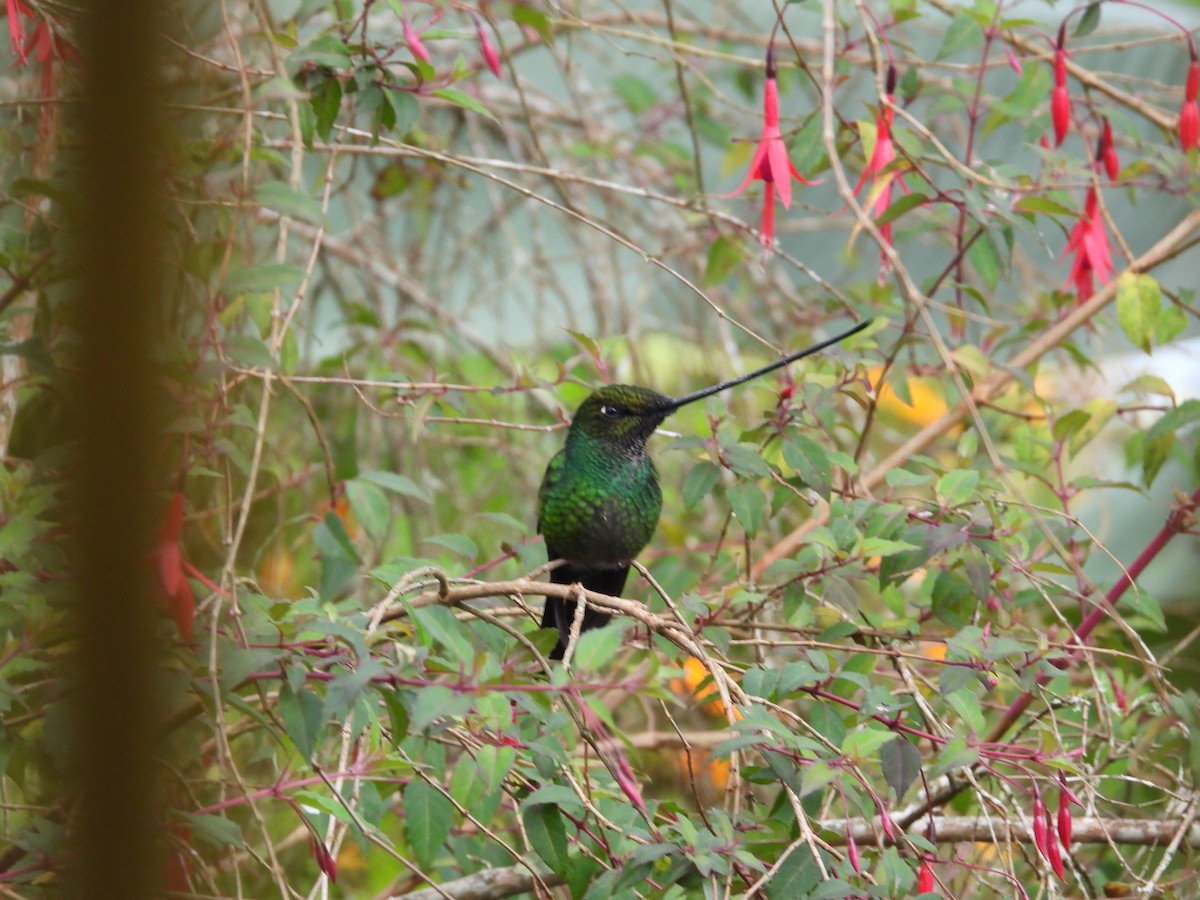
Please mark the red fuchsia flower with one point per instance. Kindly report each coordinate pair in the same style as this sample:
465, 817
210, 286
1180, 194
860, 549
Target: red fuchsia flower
883, 178
18, 12
925, 877
1060, 100
486, 48
1189, 114
770, 163
1107, 153
1089, 242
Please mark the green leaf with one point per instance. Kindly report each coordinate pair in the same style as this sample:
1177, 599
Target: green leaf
428, 817
966, 704
458, 98
862, 744
1099, 411
964, 33
883, 547
724, 255
534, 18
217, 831
958, 487
700, 481
397, 484
287, 200
796, 876
749, 504
456, 543
985, 258
1089, 20
1034, 203
325, 100
495, 762
260, 279
437, 626
370, 507
1139, 306
638, 95
547, 834
301, 714
810, 462
328, 50
405, 110
899, 207
595, 649
900, 761
746, 459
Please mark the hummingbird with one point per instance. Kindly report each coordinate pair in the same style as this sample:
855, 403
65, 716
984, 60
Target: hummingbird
599, 502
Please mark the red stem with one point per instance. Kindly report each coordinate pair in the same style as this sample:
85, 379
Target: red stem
1176, 522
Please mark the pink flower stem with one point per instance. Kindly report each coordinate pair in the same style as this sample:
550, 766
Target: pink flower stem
1176, 523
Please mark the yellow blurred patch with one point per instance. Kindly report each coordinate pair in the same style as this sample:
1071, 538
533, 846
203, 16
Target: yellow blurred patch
928, 402
694, 675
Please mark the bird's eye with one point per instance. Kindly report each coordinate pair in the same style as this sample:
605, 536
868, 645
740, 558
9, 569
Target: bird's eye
609, 411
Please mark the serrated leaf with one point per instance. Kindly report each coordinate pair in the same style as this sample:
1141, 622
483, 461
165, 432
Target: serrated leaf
746, 459
862, 744
428, 817
437, 626
700, 481
796, 875
285, 199
458, 98
547, 834
900, 761
966, 704
810, 462
595, 649
1139, 306
397, 484
370, 507
748, 504
986, 260
958, 487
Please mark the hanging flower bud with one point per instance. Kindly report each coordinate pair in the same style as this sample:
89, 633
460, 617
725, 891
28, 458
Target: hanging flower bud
1053, 856
1108, 153
486, 48
1039, 825
1189, 114
1064, 819
1060, 100
413, 38
852, 853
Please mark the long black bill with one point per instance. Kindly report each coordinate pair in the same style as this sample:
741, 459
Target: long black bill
778, 364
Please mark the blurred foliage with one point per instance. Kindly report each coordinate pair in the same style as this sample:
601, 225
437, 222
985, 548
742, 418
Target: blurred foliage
393, 278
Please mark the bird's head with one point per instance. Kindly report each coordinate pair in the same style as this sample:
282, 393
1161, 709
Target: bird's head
622, 414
